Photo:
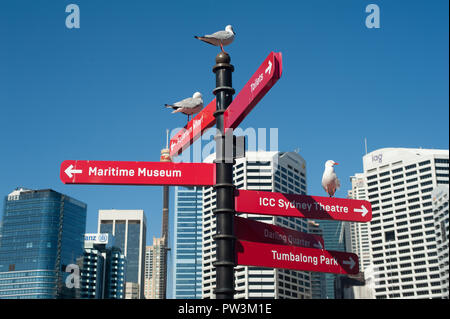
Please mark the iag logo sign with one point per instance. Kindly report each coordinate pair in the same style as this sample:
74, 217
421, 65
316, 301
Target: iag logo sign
377, 158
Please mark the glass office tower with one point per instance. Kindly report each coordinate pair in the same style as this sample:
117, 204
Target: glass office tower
187, 270
334, 238
42, 233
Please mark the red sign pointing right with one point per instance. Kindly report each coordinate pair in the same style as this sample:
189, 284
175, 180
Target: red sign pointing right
294, 205
296, 258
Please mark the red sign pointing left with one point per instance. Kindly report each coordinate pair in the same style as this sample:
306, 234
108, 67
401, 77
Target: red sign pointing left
137, 173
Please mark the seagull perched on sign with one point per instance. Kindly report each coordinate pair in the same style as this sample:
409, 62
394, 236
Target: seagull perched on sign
330, 181
219, 38
188, 106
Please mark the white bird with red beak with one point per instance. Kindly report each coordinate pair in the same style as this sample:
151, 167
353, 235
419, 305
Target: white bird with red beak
330, 181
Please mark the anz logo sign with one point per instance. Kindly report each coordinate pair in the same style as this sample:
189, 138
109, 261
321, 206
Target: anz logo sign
96, 238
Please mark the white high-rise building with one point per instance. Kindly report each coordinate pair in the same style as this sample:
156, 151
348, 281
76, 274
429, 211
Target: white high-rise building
129, 228
404, 249
359, 242
440, 209
269, 171
154, 282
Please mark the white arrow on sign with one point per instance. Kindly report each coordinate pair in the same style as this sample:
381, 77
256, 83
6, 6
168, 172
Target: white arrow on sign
269, 68
69, 171
363, 210
350, 262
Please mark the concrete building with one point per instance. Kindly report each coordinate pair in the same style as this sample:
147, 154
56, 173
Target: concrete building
440, 210
270, 171
359, 242
129, 228
155, 281
403, 241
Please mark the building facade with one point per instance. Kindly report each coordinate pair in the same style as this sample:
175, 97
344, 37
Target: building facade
41, 235
102, 269
333, 233
318, 282
359, 242
187, 247
129, 228
404, 248
269, 171
440, 210
155, 267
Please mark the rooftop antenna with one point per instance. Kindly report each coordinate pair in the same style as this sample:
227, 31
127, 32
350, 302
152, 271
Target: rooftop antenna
167, 138
365, 143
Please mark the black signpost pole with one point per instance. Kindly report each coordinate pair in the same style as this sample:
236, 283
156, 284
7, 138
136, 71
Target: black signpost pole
224, 212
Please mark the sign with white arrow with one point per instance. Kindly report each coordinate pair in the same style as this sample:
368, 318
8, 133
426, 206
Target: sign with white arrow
296, 258
259, 84
254, 90
137, 173
294, 205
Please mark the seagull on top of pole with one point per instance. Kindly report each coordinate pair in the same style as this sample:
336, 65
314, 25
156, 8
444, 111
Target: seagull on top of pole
188, 106
330, 181
219, 38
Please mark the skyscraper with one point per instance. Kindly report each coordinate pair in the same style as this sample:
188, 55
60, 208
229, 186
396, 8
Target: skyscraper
318, 283
270, 171
129, 228
41, 234
402, 232
359, 242
102, 268
187, 265
155, 281
440, 210
333, 233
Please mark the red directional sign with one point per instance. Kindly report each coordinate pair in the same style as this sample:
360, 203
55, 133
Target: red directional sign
296, 258
137, 173
293, 205
194, 129
260, 83
251, 230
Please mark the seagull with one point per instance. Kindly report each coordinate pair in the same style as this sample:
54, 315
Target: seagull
330, 181
219, 38
188, 106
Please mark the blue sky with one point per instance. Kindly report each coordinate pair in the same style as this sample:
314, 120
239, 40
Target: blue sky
97, 92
